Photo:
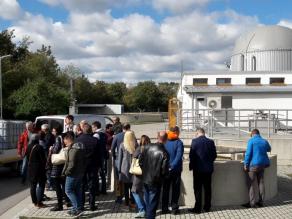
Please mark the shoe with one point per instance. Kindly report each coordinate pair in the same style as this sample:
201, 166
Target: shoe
207, 209
46, 198
132, 206
119, 200
93, 208
41, 205
104, 193
248, 205
175, 211
57, 208
165, 211
194, 211
141, 214
74, 213
68, 204
260, 204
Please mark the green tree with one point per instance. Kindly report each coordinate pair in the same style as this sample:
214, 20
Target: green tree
168, 91
143, 97
39, 97
116, 92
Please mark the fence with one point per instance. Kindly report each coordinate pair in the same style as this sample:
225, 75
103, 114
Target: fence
237, 122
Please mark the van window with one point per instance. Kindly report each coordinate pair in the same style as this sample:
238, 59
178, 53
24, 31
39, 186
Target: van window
108, 120
51, 122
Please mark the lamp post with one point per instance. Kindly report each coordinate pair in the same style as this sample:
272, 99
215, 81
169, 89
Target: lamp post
1, 98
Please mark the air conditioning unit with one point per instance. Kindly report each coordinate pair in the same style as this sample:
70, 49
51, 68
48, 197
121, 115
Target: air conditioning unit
214, 103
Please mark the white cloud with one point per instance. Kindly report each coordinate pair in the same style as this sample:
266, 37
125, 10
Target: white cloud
178, 6
136, 47
10, 9
285, 23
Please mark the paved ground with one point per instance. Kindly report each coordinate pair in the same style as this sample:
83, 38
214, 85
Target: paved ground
11, 190
278, 207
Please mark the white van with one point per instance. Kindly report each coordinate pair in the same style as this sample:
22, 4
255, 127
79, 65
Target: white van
55, 120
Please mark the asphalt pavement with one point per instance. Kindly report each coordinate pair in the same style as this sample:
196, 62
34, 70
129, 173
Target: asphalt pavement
11, 189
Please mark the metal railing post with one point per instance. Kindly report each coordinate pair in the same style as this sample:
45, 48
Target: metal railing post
238, 123
269, 116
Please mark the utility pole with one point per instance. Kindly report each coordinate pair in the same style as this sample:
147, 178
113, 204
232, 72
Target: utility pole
1, 96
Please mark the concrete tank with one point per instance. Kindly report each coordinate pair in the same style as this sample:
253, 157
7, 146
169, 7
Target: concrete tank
228, 183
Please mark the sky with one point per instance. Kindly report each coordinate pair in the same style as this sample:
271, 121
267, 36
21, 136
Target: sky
136, 40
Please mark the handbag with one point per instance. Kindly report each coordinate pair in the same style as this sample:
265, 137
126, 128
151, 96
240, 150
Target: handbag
135, 168
59, 158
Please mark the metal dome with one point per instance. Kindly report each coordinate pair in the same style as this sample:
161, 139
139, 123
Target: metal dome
264, 38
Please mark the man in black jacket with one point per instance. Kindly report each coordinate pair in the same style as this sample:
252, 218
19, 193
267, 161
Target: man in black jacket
93, 160
202, 156
154, 162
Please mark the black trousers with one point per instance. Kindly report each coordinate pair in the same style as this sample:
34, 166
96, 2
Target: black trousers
173, 180
128, 194
59, 186
91, 179
202, 180
37, 193
102, 174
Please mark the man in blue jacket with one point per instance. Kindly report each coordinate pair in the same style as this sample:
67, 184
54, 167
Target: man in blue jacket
175, 148
255, 162
202, 156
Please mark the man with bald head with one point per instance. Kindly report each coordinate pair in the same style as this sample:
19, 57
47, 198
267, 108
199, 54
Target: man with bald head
202, 156
154, 162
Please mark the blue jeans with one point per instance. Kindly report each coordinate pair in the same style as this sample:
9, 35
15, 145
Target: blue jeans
73, 189
139, 201
151, 196
24, 168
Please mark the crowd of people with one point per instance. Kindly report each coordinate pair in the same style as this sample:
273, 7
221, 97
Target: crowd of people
75, 160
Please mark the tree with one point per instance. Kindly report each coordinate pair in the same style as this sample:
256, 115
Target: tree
117, 91
39, 97
168, 91
143, 97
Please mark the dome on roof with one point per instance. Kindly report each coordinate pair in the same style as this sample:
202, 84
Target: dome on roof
264, 38
267, 48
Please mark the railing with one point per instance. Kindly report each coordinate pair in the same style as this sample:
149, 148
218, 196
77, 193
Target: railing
237, 122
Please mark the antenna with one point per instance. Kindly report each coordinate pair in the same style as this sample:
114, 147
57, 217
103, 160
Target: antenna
181, 75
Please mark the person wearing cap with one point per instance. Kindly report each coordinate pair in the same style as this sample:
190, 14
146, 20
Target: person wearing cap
255, 161
36, 170
175, 148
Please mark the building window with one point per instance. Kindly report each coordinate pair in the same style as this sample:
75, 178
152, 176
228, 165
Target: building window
226, 102
241, 62
223, 81
200, 81
253, 81
277, 81
253, 63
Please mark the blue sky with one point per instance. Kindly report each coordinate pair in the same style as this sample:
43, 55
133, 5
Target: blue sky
143, 39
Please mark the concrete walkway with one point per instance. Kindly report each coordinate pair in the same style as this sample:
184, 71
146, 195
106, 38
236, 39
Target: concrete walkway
278, 207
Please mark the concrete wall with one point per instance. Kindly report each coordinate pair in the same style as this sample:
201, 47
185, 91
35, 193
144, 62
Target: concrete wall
228, 183
142, 117
282, 147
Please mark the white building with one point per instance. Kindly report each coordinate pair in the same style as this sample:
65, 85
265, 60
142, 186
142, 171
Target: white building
259, 83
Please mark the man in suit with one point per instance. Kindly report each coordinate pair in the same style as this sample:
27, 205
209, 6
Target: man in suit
202, 157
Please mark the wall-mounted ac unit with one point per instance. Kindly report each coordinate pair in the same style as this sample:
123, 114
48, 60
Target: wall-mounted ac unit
214, 103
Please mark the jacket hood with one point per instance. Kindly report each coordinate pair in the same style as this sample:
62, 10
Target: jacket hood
78, 146
172, 136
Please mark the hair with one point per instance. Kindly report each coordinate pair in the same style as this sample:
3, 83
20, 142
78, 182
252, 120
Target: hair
86, 128
108, 126
144, 140
255, 132
69, 136
174, 129
58, 129
116, 118
130, 141
34, 139
45, 127
27, 124
70, 117
97, 124
126, 126
200, 130
162, 136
